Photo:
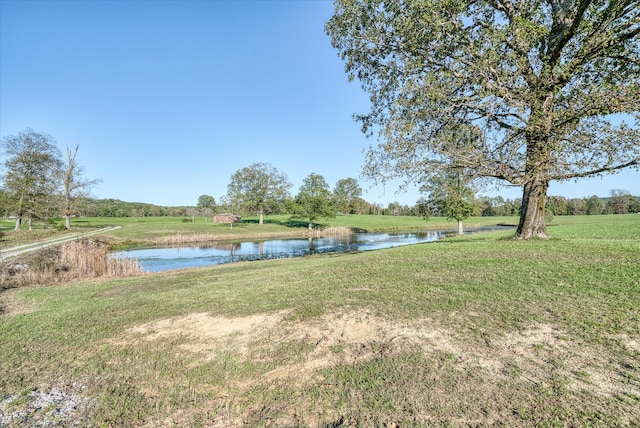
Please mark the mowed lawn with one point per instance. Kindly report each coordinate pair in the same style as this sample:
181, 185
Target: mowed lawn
478, 330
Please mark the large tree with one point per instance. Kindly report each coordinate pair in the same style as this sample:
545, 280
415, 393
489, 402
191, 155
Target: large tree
594, 206
206, 205
346, 194
33, 167
547, 84
453, 194
258, 188
206, 201
314, 199
619, 201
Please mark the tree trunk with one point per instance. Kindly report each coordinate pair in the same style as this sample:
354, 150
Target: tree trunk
534, 199
460, 231
19, 215
310, 225
261, 217
67, 222
538, 163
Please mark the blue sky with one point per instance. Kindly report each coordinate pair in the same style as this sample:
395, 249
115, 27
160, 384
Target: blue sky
168, 99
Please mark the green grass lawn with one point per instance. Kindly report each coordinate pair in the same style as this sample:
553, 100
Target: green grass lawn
158, 226
469, 331
152, 229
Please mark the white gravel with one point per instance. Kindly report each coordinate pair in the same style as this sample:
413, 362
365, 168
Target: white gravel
37, 408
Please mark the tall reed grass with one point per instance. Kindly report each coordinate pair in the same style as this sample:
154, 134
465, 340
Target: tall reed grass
88, 258
72, 260
198, 238
330, 231
193, 238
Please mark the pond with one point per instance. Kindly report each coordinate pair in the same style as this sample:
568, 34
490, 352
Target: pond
159, 259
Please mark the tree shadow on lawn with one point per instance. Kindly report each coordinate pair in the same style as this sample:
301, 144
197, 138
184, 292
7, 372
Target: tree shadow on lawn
297, 224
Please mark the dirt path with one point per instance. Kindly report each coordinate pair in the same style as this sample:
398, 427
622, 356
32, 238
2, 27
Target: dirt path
7, 253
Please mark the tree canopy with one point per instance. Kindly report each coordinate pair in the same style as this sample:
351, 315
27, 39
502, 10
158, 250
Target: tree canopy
453, 194
33, 169
206, 201
314, 199
346, 194
258, 188
545, 90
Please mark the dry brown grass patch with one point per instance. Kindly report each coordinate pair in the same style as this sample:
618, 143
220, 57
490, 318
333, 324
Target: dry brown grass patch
333, 339
88, 258
207, 333
74, 260
10, 304
536, 354
200, 238
330, 231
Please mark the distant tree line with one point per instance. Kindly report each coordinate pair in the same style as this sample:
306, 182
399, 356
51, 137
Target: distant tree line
261, 189
620, 203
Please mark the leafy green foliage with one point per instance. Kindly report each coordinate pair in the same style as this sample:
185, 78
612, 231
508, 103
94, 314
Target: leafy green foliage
314, 199
452, 194
346, 195
539, 84
258, 189
206, 201
33, 167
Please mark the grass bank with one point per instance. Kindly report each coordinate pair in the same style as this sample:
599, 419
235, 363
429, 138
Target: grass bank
477, 330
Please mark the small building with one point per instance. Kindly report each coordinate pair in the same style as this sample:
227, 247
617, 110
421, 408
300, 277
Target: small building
226, 218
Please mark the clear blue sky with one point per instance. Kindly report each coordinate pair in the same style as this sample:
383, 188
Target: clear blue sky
168, 99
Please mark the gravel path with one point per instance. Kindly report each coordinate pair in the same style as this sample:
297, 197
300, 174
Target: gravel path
7, 253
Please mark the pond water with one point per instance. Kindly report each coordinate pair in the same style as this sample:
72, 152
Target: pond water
161, 258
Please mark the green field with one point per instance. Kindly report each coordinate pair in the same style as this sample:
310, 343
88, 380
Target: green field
153, 228
156, 226
469, 331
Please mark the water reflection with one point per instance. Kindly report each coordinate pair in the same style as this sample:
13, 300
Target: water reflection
160, 259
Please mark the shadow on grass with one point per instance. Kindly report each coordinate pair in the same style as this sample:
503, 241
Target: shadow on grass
296, 224
77, 223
